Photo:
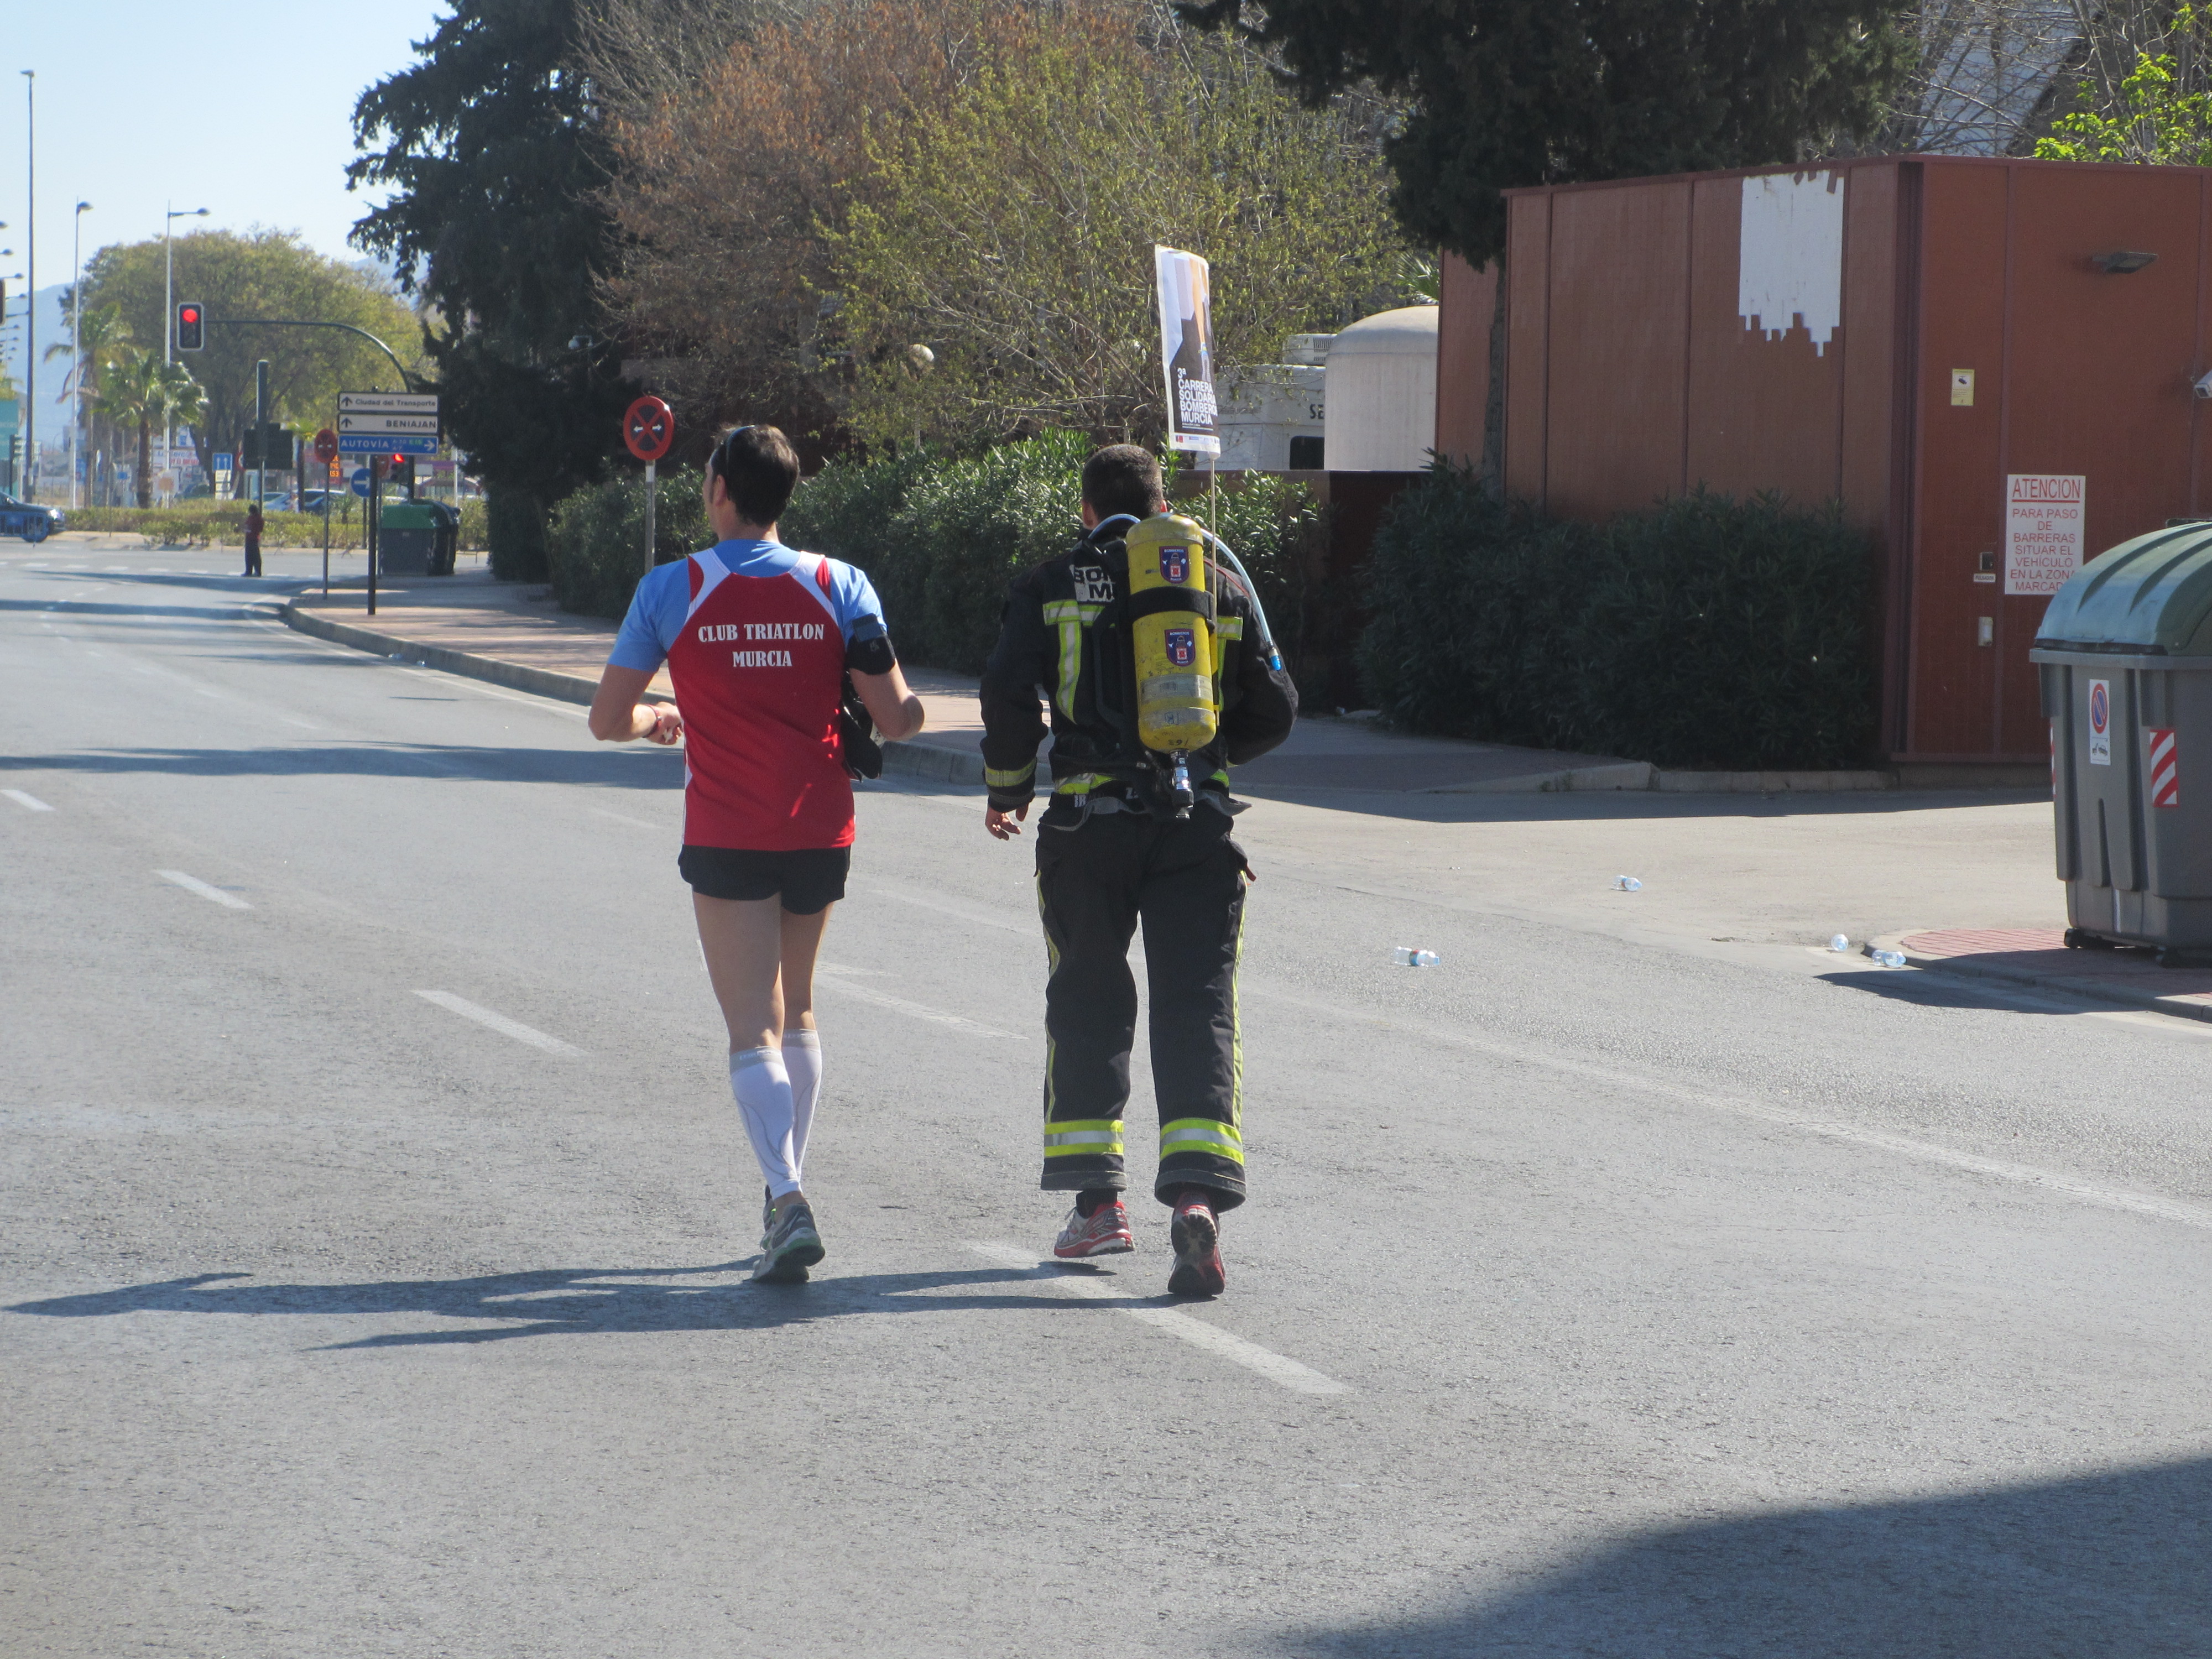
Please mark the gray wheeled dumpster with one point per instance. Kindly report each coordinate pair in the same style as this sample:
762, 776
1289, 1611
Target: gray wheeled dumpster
2125, 656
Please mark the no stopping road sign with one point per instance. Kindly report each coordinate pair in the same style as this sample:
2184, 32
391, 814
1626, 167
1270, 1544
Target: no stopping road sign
648, 427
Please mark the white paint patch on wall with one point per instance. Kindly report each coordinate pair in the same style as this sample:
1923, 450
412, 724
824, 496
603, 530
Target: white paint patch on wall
1790, 259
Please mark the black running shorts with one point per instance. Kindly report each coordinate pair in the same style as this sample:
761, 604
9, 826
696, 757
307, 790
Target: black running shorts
808, 879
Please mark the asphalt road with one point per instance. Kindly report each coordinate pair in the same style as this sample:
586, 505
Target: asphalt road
375, 1221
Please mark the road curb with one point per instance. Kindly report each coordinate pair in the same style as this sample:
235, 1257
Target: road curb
2118, 995
908, 759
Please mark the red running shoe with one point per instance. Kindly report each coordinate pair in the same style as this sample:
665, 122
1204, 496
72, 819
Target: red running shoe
1104, 1231
1196, 1234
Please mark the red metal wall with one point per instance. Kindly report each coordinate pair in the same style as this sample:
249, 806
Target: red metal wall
1629, 375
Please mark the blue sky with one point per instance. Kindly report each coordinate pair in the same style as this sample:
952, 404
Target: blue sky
243, 108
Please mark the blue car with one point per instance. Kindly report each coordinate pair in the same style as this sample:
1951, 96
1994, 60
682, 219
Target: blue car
33, 524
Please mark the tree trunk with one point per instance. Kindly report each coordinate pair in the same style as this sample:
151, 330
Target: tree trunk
145, 461
1493, 413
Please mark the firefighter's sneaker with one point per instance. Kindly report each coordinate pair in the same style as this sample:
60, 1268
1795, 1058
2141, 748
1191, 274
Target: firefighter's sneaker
1104, 1231
1196, 1233
792, 1246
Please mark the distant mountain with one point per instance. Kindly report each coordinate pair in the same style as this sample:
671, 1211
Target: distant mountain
51, 325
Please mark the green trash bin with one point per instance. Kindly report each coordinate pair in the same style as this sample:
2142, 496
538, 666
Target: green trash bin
407, 541
2125, 656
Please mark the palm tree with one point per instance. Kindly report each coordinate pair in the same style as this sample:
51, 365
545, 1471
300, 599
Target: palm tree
136, 387
105, 335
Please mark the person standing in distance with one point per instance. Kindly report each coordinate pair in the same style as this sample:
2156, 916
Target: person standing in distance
1111, 853
758, 639
253, 525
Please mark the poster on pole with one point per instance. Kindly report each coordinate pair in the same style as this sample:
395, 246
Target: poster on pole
1185, 298
2043, 531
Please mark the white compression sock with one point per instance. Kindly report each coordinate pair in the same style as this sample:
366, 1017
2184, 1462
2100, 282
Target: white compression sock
763, 1091
802, 1062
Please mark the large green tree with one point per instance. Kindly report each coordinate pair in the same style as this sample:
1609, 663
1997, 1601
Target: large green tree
265, 274
1509, 93
490, 146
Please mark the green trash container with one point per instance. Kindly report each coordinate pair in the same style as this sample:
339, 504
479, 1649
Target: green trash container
407, 540
2125, 656
448, 547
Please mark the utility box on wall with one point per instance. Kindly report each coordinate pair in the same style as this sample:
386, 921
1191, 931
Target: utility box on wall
1989, 361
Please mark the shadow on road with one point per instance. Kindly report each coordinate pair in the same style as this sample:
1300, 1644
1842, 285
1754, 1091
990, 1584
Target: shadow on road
2109, 1565
572, 1302
1935, 989
457, 762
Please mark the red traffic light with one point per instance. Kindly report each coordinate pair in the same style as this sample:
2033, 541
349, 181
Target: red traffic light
191, 326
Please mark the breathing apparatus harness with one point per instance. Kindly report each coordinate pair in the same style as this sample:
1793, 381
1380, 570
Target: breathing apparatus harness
1167, 606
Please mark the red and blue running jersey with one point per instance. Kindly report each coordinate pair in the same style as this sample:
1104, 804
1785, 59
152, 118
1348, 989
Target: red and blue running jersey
755, 637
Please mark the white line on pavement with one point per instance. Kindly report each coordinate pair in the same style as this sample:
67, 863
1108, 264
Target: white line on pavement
499, 1022
834, 978
635, 823
1286, 1373
28, 801
194, 884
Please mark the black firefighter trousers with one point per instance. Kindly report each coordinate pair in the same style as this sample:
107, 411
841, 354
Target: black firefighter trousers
1184, 880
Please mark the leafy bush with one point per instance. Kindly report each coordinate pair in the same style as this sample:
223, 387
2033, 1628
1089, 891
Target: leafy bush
205, 522
515, 533
941, 536
472, 532
595, 539
1707, 632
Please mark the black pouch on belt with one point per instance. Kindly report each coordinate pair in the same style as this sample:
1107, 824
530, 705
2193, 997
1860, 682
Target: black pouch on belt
856, 736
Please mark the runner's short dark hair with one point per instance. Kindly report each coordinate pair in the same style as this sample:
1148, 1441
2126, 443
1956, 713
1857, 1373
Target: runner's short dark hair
759, 468
1123, 478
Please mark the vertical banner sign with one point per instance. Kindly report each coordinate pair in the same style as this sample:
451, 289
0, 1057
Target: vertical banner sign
2100, 722
1186, 294
2043, 531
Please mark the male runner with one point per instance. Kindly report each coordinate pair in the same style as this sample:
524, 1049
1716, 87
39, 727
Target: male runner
757, 639
1111, 852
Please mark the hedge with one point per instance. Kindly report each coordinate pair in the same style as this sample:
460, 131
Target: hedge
939, 536
595, 539
203, 522
1706, 632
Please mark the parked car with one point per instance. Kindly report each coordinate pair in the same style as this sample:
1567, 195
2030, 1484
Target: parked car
34, 523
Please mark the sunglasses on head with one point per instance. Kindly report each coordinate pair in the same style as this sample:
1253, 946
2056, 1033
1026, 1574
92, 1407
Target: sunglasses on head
718, 464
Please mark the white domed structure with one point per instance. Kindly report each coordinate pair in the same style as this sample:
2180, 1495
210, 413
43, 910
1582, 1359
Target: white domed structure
1381, 403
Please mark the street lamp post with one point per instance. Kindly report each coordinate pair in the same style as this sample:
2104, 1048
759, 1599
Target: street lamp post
31, 286
77, 347
169, 303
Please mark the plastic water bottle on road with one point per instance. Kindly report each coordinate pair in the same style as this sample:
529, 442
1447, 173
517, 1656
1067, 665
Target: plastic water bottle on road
1405, 956
1889, 958
1628, 885
1839, 942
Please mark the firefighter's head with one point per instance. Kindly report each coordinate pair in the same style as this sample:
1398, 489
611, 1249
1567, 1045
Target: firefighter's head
1122, 478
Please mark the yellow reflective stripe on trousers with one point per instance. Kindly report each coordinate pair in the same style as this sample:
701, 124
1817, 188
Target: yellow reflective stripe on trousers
1083, 1135
1014, 780
1068, 616
1202, 1134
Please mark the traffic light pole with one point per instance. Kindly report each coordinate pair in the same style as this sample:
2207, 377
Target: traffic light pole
406, 380
371, 522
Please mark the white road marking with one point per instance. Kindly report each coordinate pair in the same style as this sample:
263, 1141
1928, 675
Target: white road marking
635, 823
1286, 1373
2089, 1192
981, 918
467, 685
499, 1023
289, 720
194, 884
28, 801
837, 980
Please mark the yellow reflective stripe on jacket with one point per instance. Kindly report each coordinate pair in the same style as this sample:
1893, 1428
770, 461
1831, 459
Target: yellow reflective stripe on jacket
1067, 616
1229, 628
1077, 1136
1015, 780
1082, 784
1202, 1134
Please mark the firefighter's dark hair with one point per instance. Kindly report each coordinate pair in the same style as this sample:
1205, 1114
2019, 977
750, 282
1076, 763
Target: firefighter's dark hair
759, 468
1123, 478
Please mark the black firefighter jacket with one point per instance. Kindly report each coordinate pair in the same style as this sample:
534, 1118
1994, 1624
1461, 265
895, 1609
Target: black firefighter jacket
1063, 635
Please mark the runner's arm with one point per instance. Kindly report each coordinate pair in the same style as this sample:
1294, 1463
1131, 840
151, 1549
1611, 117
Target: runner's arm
619, 713
897, 711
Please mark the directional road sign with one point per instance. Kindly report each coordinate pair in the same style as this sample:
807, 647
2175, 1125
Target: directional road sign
387, 443
387, 402
360, 481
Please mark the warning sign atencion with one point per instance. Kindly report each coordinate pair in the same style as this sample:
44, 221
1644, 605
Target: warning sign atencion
2043, 531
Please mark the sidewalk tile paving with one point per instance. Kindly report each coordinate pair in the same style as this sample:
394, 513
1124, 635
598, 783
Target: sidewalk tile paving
2039, 956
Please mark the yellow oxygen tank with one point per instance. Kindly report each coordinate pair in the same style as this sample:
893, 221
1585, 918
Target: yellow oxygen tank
1170, 632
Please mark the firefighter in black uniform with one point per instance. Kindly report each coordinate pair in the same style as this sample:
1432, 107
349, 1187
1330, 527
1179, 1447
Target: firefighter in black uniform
1113, 849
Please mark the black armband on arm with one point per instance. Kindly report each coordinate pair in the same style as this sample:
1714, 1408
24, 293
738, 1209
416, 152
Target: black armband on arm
871, 652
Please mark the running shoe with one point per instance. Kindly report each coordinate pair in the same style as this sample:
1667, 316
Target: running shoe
1196, 1233
768, 1216
1104, 1231
792, 1246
